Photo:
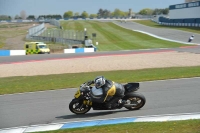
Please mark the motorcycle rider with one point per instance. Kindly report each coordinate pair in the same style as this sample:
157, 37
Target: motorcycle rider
110, 88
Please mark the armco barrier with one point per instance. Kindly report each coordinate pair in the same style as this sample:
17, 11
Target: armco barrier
23, 52
12, 52
80, 50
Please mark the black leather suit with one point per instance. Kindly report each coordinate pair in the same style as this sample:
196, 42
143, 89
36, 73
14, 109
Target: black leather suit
119, 93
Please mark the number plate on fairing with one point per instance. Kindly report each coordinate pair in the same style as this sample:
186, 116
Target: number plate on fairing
77, 94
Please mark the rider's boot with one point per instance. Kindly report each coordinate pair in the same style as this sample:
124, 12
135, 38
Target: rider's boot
113, 103
121, 103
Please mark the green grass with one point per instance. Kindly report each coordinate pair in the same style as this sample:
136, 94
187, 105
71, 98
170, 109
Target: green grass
153, 24
7, 31
2, 41
12, 85
72, 25
113, 38
186, 126
109, 36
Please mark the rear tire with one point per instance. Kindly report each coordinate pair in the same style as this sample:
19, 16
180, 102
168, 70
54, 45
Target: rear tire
78, 107
135, 98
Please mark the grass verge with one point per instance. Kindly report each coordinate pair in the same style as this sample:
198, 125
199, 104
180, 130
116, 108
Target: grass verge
153, 24
9, 31
186, 126
113, 38
12, 85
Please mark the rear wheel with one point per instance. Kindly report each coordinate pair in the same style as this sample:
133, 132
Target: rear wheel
135, 101
78, 107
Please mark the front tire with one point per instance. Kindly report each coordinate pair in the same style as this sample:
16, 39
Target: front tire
138, 100
78, 107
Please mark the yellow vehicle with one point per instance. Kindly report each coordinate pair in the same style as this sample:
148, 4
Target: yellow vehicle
36, 48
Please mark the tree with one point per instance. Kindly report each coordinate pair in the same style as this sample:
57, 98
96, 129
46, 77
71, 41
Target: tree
41, 17
161, 11
166, 11
93, 15
84, 14
76, 14
23, 14
31, 17
17, 17
106, 13
146, 11
68, 14
100, 13
5, 17
118, 13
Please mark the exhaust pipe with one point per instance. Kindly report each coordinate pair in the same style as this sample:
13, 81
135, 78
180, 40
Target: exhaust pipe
129, 105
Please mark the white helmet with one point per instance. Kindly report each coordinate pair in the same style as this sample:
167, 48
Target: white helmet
99, 81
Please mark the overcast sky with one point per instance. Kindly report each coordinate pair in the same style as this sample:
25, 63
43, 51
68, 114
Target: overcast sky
45, 7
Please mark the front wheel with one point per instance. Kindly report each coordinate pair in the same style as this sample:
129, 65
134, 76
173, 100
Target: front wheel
134, 101
77, 107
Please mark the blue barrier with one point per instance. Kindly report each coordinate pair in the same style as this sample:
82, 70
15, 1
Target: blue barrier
4, 52
79, 50
12, 52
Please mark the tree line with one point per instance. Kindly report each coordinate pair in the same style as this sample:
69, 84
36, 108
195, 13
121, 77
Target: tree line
102, 13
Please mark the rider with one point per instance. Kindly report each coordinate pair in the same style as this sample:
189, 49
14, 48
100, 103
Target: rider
110, 88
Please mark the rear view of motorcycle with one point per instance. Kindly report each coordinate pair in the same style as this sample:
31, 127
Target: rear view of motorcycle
87, 96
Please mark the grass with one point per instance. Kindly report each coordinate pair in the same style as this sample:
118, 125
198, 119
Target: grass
186, 126
153, 24
113, 38
10, 85
10, 31
109, 36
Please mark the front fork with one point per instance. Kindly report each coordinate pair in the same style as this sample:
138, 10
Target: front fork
87, 102
83, 102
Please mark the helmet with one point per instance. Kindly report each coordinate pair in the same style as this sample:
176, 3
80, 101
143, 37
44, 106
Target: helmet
99, 81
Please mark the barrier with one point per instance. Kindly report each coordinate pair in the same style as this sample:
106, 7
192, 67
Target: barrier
23, 52
80, 50
12, 52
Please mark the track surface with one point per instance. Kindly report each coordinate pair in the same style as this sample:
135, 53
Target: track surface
15, 59
163, 97
172, 34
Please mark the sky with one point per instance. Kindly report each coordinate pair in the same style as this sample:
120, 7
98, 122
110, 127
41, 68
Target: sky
51, 7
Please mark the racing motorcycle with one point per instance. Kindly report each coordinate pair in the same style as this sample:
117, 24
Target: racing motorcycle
86, 96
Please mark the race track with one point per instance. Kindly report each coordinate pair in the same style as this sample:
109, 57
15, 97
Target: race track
163, 97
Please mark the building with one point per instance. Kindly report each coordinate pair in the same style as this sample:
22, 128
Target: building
186, 1
185, 11
184, 14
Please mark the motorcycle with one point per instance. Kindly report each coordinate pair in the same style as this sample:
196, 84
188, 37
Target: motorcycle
86, 95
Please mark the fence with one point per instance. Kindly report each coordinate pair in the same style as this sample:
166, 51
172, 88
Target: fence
36, 30
55, 35
192, 22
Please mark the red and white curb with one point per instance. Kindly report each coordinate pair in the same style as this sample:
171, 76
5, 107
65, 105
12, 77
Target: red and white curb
75, 124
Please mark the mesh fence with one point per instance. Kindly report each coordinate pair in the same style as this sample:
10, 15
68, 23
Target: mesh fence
55, 35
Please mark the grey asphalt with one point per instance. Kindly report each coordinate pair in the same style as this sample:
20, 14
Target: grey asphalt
28, 58
177, 35
172, 34
163, 97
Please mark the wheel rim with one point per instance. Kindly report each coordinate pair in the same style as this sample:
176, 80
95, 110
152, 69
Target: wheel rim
135, 100
79, 108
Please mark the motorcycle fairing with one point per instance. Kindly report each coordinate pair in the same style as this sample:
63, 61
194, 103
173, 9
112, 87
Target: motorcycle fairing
111, 91
77, 94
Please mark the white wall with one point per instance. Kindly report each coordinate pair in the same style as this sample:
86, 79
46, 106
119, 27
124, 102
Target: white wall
17, 52
184, 13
